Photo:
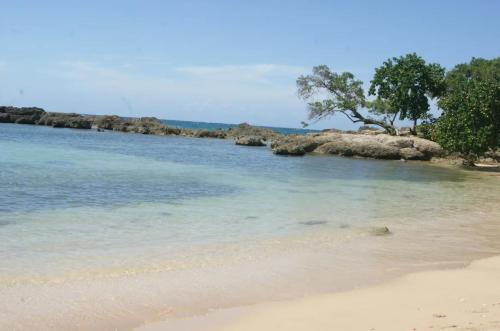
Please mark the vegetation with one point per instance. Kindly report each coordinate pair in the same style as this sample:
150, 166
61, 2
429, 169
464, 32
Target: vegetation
469, 96
470, 123
343, 94
404, 85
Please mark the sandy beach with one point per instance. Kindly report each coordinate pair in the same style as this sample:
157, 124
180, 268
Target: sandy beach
459, 299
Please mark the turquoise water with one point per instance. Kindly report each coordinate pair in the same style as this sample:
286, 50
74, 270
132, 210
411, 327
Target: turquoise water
225, 126
104, 213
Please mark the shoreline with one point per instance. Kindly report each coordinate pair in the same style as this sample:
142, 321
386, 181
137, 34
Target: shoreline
466, 298
365, 143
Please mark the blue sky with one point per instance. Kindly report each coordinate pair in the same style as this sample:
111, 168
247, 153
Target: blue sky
220, 61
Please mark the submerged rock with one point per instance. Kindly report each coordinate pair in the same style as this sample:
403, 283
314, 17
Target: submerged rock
380, 231
313, 223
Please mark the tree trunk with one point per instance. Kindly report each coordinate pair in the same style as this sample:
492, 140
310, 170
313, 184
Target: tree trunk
468, 161
360, 118
414, 130
387, 127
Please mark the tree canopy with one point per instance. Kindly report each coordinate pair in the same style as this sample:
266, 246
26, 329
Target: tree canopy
341, 93
470, 123
405, 84
469, 96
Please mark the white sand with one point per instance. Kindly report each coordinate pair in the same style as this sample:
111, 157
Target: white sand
463, 299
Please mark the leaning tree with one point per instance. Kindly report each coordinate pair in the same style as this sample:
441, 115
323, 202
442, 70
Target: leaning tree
337, 93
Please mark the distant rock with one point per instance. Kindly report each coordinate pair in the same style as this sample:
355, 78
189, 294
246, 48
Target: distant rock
247, 130
65, 120
143, 125
368, 142
204, 133
23, 115
250, 141
366, 129
107, 122
332, 130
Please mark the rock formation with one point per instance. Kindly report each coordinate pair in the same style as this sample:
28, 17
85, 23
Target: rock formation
250, 141
380, 146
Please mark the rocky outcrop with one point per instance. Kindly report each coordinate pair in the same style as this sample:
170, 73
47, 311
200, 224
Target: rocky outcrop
143, 125
250, 141
203, 133
379, 146
247, 130
23, 115
294, 145
108, 122
65, 120
368, 142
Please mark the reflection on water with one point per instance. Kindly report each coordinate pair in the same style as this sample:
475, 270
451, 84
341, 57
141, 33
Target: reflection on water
148, 224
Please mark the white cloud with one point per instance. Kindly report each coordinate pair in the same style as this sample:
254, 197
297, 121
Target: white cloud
258, 93
248, 73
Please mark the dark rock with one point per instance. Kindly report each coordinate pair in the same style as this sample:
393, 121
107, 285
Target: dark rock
65, 120
203, 133
246, 130
5, 118
20, 115
143, 125
26, 120
107, 122
250, 141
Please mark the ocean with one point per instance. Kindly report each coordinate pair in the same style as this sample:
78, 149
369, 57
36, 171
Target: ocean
225, 126
105, 230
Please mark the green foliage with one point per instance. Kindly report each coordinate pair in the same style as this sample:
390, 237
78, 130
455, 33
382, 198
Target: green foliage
469, 124
405, 84
341, 93
478, 69
344, 92
427, 129
381, 107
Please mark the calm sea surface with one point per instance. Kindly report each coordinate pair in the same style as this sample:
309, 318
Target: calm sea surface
126, 227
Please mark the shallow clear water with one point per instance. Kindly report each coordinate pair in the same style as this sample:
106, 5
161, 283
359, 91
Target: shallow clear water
195, 219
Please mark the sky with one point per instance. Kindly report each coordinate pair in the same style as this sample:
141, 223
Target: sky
220, 61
